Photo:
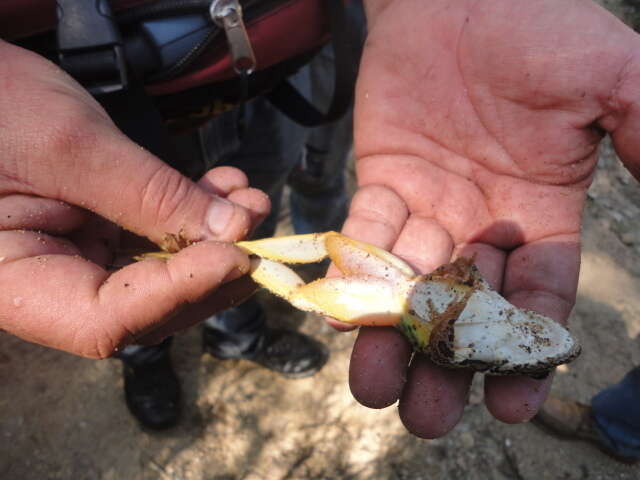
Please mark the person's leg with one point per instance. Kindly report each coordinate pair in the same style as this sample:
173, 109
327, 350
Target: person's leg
319, 199
611, 422
616, 411
151, 387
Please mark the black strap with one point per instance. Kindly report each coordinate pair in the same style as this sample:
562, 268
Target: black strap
90, 46
346, 44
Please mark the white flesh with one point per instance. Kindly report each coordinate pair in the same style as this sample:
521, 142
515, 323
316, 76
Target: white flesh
492, 331
489, 330
290, 249
427, 298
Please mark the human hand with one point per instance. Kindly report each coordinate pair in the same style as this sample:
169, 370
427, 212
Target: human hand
476, 132
67, 177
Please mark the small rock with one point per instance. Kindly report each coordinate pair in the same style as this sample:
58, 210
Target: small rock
467, 440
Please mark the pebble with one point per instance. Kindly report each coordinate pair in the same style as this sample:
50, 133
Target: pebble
467, 440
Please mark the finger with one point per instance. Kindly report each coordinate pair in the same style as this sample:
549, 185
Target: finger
423, 244
222, 181
84, 160
68, 303
489, 260
256, 202
228, 295
17, 244
233, 184
433, 399
541, 276
376, 216
378, 363
35, 213
515, 400
156, 200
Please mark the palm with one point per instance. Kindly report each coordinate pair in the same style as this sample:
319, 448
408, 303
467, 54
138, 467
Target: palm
480, 119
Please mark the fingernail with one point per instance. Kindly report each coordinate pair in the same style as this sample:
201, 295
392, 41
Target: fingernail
219, 215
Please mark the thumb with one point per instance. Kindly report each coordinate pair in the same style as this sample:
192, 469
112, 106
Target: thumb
76, 154
155, 200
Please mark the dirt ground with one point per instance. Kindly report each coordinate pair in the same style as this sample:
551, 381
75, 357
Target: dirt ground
63, 417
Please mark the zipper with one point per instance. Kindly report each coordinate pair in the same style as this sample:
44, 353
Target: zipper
238, 40
228, 15
165, 8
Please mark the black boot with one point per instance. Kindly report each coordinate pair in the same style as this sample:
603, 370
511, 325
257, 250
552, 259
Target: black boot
290, 353
151, 387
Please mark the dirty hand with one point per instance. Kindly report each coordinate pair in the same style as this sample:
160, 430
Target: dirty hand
67, 175
477, 125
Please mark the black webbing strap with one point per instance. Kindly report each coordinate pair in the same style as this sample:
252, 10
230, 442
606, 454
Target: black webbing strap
346, 44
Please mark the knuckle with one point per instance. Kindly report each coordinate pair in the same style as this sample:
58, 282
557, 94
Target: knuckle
163, 195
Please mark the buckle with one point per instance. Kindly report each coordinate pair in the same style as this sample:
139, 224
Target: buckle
90, 46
